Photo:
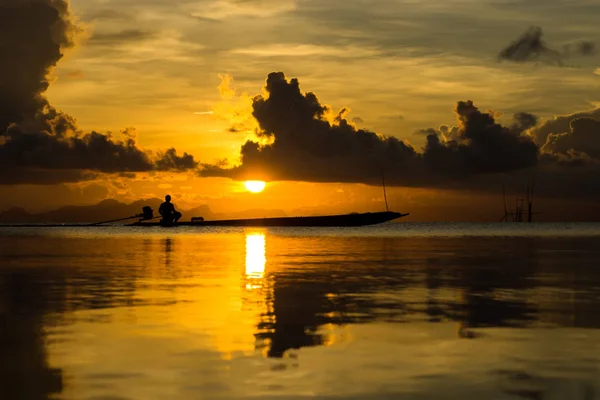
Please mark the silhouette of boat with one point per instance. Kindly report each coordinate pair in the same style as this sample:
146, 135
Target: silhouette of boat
342, 220
354, 219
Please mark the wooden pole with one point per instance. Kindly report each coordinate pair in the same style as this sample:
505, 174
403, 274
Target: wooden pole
384, 193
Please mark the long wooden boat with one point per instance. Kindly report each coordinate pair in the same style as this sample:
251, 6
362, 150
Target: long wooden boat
354, 219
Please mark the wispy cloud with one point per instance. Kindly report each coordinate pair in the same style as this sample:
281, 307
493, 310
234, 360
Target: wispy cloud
115, 38
303, 50
222, 9
131, 46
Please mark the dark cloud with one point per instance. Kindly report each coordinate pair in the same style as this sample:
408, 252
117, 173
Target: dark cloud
33, 35
586, 48
569, 158
531, 47
482, 146
357, 120
170, 161
39, 143
61, 153
524, 121
130, 35
581, 142
306, 146
560, 124
427, 132
93, 151
19, 176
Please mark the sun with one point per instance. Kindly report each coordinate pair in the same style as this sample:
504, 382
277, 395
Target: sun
255, 186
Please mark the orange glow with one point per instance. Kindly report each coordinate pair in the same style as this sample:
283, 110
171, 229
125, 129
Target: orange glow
255, 186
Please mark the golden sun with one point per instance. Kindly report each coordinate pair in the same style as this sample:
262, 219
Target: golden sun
255, 186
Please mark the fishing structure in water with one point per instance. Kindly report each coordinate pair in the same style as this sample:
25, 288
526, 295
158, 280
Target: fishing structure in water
523, 206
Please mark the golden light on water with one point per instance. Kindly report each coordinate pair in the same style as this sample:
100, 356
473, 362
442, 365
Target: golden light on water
255, 186
255, 256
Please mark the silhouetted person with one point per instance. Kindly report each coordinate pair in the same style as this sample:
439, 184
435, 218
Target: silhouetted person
168, 212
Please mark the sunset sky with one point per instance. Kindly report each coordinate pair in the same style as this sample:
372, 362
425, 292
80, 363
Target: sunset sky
449, 99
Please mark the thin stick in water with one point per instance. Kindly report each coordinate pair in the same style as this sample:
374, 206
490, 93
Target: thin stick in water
384, 193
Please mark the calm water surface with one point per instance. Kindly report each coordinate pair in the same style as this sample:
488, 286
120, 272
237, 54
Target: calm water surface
419, 311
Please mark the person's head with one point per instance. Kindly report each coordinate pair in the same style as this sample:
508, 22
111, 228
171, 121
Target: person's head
168, 198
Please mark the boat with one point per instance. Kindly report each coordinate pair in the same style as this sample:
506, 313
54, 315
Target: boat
341, 220
353, 219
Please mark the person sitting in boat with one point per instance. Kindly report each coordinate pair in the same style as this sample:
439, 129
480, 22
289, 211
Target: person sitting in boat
168, 212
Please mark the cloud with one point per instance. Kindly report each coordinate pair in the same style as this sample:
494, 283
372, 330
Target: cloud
222, 9
19, 176
304, 140
309, 142
586, 48
73, 74
39, 144
170, 161
307, 50
34, 34
109, 14
428, 131
581, 142
560, 124
235, 108
480, 145
138, 46
531, 47
524, 121
93, 151
114, 38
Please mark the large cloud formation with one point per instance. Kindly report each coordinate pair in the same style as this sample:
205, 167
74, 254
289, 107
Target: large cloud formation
305, 145
39, 144
481, 145
302, 139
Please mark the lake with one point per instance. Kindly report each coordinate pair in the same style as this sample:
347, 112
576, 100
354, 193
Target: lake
396, 311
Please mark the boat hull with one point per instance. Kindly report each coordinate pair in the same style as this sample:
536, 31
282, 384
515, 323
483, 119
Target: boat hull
318, 221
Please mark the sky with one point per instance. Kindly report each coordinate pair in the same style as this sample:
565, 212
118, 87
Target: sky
447, 100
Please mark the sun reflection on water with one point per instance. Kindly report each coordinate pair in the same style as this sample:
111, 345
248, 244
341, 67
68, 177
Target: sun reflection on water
255, 257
